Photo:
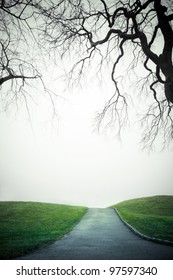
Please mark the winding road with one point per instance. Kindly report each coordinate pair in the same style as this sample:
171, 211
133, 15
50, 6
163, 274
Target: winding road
101, 235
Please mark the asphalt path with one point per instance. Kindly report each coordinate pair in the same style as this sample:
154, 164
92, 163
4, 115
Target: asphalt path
101, 235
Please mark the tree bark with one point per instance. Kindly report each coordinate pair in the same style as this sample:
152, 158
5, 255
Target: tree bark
165, 60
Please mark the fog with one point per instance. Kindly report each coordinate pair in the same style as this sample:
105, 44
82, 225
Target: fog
66, 161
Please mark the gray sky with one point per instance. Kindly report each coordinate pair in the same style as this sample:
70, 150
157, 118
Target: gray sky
66, 162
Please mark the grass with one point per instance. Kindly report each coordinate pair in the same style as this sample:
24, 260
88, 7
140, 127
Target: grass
25, 226
152, 216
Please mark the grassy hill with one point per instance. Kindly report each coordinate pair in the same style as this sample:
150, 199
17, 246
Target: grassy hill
25, 226
152, 216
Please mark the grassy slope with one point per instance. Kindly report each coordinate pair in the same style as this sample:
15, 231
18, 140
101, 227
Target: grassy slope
152, 216
25, 226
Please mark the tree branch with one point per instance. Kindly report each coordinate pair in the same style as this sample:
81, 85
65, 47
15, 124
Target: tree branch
11, 76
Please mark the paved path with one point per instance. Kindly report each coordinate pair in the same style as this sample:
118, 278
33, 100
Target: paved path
101, 235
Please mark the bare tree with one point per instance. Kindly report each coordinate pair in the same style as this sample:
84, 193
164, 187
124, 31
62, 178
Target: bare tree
110, 31
16, 64
21, 55
103, 32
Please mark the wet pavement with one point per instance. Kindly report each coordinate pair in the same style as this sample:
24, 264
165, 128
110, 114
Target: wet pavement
101, 235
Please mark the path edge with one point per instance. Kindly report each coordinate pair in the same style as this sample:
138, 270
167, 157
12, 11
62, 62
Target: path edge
153, 239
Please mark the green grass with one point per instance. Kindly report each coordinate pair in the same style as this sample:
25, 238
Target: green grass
25, 226
152, 216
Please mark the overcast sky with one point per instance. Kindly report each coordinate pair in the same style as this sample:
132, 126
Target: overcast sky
65, 161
